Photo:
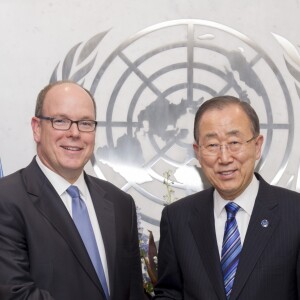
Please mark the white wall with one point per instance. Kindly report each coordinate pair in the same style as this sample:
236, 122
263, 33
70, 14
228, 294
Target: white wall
37, 34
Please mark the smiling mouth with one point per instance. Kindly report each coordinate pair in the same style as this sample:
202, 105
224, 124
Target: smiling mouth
226, 173
71, 148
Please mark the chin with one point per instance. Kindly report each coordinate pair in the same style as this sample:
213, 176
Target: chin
73, 167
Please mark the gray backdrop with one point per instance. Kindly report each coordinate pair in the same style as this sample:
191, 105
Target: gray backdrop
150, 64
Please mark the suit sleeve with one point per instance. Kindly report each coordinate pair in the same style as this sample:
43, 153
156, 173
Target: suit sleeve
298, 275
169, 285
15, 280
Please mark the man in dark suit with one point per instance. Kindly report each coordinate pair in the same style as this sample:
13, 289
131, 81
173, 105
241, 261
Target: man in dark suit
43, 251
239, 239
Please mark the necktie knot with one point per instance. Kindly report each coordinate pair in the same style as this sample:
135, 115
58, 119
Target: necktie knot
231, 209
73, 191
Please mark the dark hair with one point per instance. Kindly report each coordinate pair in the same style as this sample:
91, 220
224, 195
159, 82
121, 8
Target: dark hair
219, 103
42, 95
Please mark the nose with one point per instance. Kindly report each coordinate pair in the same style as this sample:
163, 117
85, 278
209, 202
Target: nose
74, 131
225, 155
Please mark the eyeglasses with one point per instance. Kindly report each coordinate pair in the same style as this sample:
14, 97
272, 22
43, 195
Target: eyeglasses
232, 147
65, 124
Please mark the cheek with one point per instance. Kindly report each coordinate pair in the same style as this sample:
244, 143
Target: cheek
52, 141
89, 145
247, 163
91, 141
207, 162
207, 167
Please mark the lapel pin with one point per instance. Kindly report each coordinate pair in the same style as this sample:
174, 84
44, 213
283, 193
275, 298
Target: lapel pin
264, 223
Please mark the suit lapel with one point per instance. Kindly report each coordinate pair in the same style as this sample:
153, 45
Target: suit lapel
257, 236
106, 219
203, 229
48, 202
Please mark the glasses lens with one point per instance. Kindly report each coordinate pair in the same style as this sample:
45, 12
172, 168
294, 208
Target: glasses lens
235, 147
86, 125
62, 124
210, 149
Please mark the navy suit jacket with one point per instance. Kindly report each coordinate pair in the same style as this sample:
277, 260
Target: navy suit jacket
42, 256
269, 266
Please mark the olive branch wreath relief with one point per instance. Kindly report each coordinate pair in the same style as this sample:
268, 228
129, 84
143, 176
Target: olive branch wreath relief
79, 61
292, 62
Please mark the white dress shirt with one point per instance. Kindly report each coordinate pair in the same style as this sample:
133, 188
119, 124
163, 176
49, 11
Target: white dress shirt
61, 185
246, 202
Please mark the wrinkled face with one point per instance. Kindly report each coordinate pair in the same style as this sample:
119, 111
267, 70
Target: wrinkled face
65, 152
230, 173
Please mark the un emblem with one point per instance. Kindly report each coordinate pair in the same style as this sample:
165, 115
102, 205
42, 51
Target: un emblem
148, 90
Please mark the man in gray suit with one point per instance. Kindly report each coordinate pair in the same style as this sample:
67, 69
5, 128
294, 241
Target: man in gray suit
239, 239
65, 235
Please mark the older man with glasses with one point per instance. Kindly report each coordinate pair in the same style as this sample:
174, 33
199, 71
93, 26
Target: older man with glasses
239, 239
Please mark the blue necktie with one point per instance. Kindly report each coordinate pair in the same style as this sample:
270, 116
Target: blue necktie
82, 221
231, 248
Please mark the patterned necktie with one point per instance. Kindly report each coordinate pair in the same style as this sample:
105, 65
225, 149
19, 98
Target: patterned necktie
231, 248
82, 221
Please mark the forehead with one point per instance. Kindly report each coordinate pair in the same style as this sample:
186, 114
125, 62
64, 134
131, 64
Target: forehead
68, 97
229, 120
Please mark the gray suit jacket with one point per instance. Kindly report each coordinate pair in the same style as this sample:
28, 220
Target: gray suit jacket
42, 256
269, 266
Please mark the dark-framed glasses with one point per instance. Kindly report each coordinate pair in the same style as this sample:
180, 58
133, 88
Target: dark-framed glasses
65, 124
233, 147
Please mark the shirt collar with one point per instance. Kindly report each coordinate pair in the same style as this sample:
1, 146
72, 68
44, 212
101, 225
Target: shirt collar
80, 183
246, 200
59, 183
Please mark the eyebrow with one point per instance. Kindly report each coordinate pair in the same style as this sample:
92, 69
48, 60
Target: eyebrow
63, 116
234, 132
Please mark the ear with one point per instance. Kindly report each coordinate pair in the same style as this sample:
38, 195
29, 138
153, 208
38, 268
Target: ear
196, 150
258, 146
36, 128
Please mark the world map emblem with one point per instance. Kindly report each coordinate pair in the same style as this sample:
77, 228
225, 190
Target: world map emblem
147, 92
